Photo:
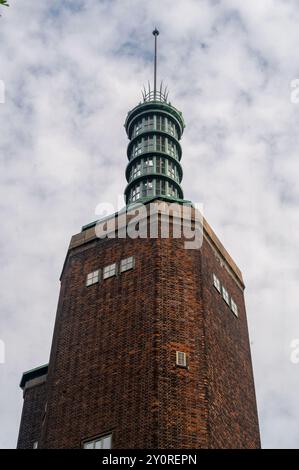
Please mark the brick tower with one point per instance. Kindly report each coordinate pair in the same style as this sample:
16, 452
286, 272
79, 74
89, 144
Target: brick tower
150, 346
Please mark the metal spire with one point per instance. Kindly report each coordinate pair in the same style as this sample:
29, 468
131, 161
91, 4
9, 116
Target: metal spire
155, 33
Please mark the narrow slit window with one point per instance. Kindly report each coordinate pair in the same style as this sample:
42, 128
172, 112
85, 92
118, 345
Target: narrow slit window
225, 295
99, 443
216, 283
234, 307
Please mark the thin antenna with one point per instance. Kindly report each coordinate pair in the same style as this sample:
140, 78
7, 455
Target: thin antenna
155, 33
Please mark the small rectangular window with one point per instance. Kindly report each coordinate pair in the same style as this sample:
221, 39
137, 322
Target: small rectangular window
216, 283
234, 307
92, 278
225, 295
99, 443
35, 445
109, 271
126, 264
181, 359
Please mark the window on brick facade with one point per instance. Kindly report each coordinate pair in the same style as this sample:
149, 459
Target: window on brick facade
181, 359
93, 277
216, 283
136, 170
109, 271
99, 443
126, 264
225, 295
35, 445
234, 307
160, 165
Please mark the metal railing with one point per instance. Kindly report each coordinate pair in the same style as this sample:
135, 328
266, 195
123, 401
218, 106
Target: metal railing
160, 94
155, 96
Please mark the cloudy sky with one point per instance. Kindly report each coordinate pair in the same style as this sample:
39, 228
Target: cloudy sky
72, 69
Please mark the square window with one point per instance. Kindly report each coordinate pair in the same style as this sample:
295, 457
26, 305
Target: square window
225, 295
109, 271
135, 194
99, 443
181, 359
234, 307
171, 171
92, 278
126, 264
216, 283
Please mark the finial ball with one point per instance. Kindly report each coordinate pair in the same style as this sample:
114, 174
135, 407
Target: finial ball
156, 32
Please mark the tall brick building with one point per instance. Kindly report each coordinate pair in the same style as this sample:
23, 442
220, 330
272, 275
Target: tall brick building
150, 347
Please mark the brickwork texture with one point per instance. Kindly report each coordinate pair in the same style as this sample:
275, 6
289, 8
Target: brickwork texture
113, 365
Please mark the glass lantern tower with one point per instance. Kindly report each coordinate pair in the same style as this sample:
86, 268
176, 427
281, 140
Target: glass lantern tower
154, 129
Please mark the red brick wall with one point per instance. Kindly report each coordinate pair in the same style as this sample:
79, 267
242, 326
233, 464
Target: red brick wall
102, 369
182, 400
112, 365
32, 415
232, 416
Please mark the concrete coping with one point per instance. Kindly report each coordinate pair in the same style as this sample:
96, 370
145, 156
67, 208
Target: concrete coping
33, 374
89, 232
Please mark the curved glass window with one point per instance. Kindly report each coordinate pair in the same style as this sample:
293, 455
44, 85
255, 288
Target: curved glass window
154, 143
147, 164
151, 187
148, 188
137, 148
148, 144
160, 143
171, 191
160, 165
171, 128
172, 149
136, 170
155, 122
137, 128
160, 123
171, 170
148, 122
161, 187
135, 193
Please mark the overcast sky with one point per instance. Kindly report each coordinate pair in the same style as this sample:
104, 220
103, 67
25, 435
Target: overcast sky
72, 70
